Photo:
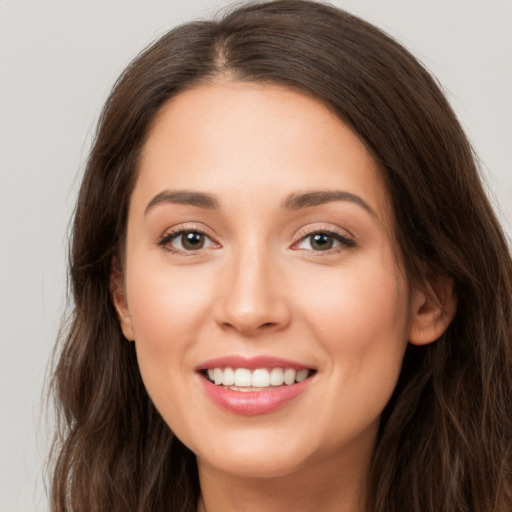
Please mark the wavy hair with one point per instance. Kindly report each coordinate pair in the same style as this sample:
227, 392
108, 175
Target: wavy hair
445, 439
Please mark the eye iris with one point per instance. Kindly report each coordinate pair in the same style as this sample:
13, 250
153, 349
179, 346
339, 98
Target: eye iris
321, 242
192, 240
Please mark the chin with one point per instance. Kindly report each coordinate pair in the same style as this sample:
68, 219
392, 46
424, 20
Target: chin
257, 466
256, 456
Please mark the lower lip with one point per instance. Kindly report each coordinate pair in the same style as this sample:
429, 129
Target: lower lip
252, 403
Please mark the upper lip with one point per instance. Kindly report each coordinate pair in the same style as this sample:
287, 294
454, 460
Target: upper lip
251, 363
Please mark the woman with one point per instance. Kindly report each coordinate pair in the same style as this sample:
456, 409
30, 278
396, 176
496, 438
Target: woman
291, 291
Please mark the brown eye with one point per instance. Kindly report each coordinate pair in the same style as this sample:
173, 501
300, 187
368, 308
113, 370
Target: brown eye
321, 242
191, 240
324, 241
187, 241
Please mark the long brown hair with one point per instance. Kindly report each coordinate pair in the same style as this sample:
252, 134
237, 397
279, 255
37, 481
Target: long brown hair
445, 441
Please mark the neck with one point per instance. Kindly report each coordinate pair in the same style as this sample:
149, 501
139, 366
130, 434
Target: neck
326, 487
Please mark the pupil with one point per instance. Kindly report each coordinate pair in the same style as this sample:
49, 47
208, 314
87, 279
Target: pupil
193, 240
322, 242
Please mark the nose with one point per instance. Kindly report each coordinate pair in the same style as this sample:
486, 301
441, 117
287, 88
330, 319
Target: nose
253, 299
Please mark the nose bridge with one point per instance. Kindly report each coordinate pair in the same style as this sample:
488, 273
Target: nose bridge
253, 298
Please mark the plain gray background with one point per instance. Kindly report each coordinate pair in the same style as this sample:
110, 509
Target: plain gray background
58, 60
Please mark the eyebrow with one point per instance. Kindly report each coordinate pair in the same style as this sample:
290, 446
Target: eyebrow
188, 197
318, 197
293, 202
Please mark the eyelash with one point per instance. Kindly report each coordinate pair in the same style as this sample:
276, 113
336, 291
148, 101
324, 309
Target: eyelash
166, 240
344, 241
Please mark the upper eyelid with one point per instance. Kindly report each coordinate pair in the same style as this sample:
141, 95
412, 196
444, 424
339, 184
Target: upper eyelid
184, 227
334, 230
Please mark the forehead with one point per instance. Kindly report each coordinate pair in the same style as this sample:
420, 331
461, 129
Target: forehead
239, 139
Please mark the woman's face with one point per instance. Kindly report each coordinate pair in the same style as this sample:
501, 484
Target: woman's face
258, 249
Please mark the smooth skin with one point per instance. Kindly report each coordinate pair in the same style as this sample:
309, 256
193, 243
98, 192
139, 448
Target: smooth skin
248, 277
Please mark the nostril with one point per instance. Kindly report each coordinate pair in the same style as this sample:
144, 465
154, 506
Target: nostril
264, 326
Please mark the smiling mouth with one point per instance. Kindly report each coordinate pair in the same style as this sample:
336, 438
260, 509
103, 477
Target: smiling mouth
259, 379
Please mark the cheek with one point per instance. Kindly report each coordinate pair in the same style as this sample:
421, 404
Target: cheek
167, 304
360, 319
354, 306
168, 309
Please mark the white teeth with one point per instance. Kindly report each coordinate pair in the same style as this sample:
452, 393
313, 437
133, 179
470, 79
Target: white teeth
242, 377
301, 375
289, 376
276, 377
217, 376
259, 378
229, 377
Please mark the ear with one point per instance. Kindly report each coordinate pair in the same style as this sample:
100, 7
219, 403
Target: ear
118, 294
432, 310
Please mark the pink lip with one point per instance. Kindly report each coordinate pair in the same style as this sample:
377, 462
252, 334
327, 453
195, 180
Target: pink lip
252, 403
251, 363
